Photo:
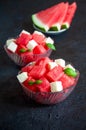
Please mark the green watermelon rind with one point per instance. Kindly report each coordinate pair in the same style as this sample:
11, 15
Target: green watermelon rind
39, 24
65, 26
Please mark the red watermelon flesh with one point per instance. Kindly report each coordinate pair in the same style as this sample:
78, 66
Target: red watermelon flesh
43, 61
37, 71
44, 86
67, 81
23, 39
55, 73
69, 16
27, 68
27, 57
46, 19
38, 38
39, 49
19, 48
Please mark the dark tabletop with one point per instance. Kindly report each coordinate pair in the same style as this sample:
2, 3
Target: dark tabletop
18, 113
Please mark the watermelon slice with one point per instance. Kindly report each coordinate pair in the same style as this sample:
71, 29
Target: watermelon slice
60, 18
69, 16
43, 21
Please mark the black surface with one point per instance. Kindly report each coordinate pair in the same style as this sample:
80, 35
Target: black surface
16, 112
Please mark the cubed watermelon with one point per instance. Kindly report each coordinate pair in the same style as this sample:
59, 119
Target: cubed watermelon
67, 81
39, 49
37, 71
55, 73
23, 39
44, 86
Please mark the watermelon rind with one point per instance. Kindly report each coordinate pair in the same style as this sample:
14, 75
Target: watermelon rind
65, 26
55, 27
37, 22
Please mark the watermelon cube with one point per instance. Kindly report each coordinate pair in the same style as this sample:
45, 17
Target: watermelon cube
27, 69
67, 81
55, 73
44, 86
23, 39
37, 71
39, 49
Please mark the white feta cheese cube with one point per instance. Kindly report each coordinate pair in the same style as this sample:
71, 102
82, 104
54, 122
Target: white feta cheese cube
12, 46
69, 66
32, 44
25, 32
22, 77
49, 40
56, 86
52, 64
40, 33
60, 62
9, 41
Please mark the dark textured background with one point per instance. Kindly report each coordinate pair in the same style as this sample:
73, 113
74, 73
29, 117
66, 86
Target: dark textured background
16, 112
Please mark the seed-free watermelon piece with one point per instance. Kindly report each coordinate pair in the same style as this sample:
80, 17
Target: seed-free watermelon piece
60, 18
39, 49
55, 73
27, 57
43, 61
44, 86
67, 81
23, 39
21, 49
46, 18
37, 71
69, 16
27, 68
30, 87
38, 37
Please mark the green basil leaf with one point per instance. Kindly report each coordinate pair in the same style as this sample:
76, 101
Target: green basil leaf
51, 46
70, 72
38, 81
31, 82
22, 50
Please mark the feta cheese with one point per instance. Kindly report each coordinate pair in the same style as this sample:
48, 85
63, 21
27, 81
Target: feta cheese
69, 66
56, 86
32, 44
25, 32
12, 46
9, 41
37, 32
52, 64
22, 77
49, 40
60, 62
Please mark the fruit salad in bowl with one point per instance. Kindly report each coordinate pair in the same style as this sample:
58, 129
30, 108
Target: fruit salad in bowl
48, 81
29, 47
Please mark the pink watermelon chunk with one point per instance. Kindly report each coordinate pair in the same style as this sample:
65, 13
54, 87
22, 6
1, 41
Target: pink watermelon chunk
46, 18
67, 81
44, 86
55, 73
23, 39
69, 16
39, 49
37, 71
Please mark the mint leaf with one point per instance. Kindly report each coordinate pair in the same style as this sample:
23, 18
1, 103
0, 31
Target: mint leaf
22, 50
51, 46
38, 81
